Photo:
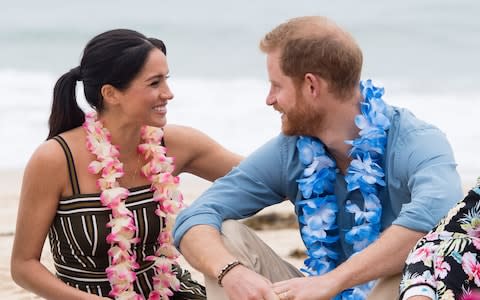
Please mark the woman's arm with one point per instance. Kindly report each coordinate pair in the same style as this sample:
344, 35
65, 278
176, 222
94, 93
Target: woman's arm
197, 153
44, 180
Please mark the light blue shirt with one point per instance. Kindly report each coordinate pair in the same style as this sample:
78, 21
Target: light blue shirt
422, 183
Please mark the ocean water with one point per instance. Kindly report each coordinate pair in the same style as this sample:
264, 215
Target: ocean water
425, 53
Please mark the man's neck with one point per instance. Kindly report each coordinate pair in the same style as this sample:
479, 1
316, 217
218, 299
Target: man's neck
341, 127
334, 141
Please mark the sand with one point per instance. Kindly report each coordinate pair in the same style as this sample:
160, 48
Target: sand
283, 241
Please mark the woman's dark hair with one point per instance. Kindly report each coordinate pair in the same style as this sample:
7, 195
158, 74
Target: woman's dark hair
114, 57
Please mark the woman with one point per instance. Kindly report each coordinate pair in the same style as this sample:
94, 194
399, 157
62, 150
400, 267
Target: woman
103, 186
445, 264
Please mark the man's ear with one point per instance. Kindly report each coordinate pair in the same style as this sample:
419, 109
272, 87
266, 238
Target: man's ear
314, 85
110, 94
311, 83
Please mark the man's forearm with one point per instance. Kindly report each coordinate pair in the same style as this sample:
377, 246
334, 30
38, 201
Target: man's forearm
203, 248
383, 258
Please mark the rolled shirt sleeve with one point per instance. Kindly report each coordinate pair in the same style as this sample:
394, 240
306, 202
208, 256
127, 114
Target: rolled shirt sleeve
425, 165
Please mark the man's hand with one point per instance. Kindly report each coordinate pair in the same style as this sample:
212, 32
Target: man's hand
307, 288
242, 283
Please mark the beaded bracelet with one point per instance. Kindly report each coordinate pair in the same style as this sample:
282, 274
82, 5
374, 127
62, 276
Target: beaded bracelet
227, 269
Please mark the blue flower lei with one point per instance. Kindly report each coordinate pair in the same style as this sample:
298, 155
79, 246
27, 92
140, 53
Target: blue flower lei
318, 209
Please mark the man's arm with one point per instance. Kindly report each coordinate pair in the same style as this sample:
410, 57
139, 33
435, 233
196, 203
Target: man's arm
207, 257
204, 250
384, 257
261, 180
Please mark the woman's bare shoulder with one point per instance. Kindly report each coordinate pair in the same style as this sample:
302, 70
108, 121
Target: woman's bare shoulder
50, 155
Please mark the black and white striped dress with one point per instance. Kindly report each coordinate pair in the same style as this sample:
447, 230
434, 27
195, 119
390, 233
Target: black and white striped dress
78, 240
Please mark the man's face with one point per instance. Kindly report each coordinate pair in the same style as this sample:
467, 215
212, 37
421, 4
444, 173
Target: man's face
298, 116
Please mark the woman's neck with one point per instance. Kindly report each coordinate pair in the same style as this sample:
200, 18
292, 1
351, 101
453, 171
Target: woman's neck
125, 135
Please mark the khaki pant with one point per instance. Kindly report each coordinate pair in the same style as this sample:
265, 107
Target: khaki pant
243, 243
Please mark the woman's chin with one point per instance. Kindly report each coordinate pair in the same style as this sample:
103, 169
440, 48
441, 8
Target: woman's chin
158, 122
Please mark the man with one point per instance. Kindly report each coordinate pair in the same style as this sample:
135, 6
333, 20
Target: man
365, 178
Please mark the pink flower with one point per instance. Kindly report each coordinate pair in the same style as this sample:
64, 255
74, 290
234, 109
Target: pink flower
117, 255
168, 251
471, 266
95, 167
474, 231
121, 210
112, 197
474, 295
424, 254
167, 279
441, 267
152, 134
476, 243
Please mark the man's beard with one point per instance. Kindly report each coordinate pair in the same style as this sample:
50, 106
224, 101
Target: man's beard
302, 120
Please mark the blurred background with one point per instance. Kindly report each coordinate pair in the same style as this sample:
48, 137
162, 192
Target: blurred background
425, 53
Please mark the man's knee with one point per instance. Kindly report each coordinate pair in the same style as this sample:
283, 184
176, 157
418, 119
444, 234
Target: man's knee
231, 227
235, 235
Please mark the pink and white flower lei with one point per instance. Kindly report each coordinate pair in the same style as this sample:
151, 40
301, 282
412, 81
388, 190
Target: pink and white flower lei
158, 170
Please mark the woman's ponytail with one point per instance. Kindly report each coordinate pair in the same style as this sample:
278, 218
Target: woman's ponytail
65, 114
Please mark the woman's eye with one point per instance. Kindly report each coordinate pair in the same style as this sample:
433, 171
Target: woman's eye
155, 83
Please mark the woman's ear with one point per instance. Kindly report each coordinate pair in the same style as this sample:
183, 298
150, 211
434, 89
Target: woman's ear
110, 94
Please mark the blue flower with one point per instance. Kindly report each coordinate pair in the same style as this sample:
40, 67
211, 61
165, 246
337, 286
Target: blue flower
319, 163
317, 266
370, 91
319, 182
377, 115
308, 149
358, 293
320, 213
372, 141
373, 125
363, 174
323, 237
371, 216
320, 250
372, 203
362, 235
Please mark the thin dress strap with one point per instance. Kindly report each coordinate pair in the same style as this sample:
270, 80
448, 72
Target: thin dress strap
71, 165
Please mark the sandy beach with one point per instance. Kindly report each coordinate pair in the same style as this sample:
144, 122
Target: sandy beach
284, 241
279, 235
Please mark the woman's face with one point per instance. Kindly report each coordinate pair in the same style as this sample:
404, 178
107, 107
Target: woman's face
145, 100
